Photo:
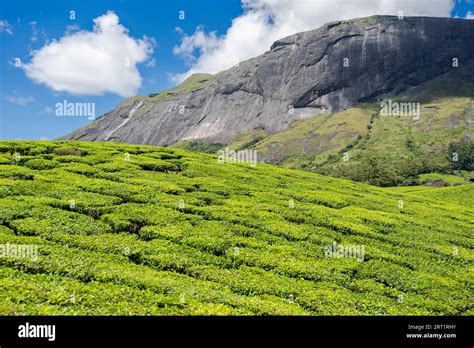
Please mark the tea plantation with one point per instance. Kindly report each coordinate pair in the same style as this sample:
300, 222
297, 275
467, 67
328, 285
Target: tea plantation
134, 230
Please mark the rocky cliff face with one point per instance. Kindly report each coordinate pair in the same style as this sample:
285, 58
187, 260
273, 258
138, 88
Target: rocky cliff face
324, 70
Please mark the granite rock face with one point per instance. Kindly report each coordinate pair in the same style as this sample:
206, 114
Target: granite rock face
320, 71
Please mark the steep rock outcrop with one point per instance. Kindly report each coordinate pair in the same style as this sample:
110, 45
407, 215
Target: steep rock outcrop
325, 70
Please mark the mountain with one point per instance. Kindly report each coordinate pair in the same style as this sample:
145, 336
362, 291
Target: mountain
123, 229
319, 72
347, 143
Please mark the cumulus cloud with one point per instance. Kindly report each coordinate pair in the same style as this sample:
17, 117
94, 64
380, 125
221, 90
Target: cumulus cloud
21, 101
92, 62
6, 27
470, 15
265, 21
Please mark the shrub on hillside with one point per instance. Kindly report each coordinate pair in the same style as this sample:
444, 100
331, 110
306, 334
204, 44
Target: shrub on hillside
461, 155
67, 152
40, 164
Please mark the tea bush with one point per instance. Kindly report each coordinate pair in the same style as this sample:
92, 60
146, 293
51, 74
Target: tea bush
124, 229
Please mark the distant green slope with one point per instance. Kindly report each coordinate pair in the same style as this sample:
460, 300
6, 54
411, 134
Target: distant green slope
127, 229
461, 195
335, 144
316, 138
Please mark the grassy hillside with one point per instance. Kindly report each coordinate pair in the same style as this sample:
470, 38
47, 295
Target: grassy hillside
460, 195
316, 138
403, 146
129, 229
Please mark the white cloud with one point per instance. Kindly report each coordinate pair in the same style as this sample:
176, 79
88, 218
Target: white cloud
21, 101
470, 15
265, 21
92, 62
6, 27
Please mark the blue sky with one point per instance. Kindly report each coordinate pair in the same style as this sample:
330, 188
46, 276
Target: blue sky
214, 34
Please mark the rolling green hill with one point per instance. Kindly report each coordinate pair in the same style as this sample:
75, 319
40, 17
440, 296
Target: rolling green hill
133, 229
405, 147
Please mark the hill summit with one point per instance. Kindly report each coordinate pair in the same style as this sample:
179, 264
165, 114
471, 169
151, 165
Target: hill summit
321, 71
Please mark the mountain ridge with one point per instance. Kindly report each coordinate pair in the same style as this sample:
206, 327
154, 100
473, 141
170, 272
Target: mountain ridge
301, 76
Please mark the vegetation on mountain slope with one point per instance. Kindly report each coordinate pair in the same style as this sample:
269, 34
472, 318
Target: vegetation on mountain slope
134, 229
299, 76
192, 83
362, 145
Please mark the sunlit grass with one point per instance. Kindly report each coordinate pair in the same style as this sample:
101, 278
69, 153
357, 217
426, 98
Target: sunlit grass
136, 229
